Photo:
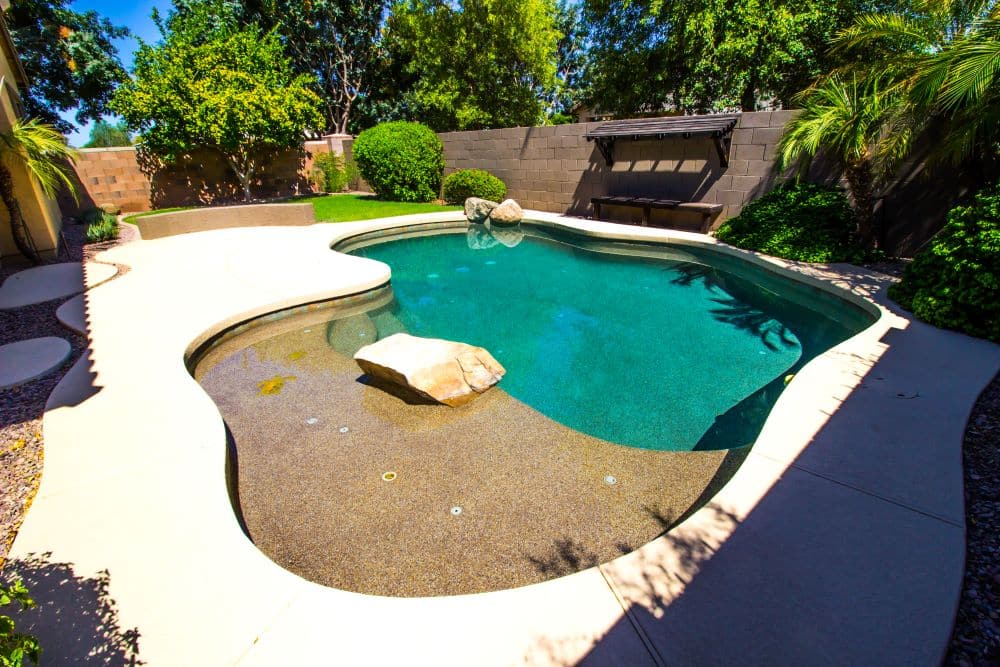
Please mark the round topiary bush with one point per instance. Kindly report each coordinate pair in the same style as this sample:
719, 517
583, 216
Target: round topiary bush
800, 221
954, 282
465, 183
402, 161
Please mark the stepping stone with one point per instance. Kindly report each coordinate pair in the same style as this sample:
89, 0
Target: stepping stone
29, 359
52, 281
73, 314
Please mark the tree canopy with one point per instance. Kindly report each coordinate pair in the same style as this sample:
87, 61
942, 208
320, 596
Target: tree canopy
231, 91
105, 134
337, 42
707, 55
69, 57
476, 63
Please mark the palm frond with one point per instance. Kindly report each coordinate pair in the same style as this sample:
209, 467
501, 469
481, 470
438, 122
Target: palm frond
973, 69
43, 151
903, 33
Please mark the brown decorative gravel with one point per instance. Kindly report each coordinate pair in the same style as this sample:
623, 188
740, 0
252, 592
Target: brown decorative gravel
976, 638
21, 407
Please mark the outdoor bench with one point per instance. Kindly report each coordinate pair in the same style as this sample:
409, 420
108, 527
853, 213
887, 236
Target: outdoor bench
647, 204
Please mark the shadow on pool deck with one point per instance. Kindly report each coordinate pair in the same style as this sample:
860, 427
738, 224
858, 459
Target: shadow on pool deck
855, 554
75, 619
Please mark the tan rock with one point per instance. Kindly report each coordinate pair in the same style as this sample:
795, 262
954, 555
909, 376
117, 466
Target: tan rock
477, 210
442, 370
507, 213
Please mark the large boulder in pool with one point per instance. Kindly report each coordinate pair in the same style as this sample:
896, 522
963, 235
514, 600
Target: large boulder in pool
441, 370
507, 213
477, 210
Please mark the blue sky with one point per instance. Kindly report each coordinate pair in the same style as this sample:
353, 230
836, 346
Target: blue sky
133, 15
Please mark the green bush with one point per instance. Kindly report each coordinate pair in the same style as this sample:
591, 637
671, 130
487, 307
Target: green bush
465, 183
101, 226
799, 221
954, 282
331, 173
14, 646
401, 161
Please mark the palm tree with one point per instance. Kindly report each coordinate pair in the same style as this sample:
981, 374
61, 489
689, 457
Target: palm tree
943, 56
862, 126
934, 66
47, 157
961, 86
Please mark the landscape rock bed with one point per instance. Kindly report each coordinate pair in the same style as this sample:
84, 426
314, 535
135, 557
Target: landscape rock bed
976, 638
21, 407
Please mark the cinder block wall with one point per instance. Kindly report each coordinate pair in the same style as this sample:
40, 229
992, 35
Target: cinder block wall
115, 175
556, 169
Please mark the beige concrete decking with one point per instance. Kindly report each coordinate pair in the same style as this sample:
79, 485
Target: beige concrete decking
839, 541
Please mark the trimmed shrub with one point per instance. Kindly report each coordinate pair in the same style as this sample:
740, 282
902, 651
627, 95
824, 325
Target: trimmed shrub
332, 173
402, 161
954, 282
101, 226
465, 183
799, 221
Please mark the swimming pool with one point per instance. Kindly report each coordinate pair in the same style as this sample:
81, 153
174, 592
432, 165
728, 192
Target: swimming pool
650, 346
637, 376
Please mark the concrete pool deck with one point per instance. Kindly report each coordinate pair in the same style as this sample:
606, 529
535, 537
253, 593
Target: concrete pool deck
839, 541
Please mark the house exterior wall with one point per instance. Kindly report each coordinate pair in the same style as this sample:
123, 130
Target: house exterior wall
41, 213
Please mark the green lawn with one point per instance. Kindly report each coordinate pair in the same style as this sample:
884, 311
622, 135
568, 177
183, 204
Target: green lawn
343, 208
131, 218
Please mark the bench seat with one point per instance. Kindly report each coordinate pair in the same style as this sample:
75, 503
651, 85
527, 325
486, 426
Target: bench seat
647, 204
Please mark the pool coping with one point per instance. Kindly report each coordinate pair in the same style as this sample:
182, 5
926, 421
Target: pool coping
840, 539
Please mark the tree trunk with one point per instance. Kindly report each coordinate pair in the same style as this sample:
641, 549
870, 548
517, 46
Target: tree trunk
18, 228
860, 180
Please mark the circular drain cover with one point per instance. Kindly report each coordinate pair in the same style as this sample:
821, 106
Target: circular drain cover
610, 479
388, 476
456, 510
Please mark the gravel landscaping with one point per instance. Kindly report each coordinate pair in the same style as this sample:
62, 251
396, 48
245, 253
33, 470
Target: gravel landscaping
21, 407
976, 637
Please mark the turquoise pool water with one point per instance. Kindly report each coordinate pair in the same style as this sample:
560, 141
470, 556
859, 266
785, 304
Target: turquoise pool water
676, 349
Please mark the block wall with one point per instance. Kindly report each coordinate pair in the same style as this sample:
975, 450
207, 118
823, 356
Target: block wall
117, 176
556, 169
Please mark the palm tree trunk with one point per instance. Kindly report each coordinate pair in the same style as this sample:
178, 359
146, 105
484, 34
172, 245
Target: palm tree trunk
18, 228
861, 182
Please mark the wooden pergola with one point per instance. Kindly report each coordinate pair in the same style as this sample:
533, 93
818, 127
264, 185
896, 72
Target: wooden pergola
718, 127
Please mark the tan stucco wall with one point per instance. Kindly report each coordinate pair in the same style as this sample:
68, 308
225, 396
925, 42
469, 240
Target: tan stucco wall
224, 217
40, 212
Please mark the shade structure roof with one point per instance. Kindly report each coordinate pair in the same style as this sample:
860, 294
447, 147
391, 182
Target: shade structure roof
718, 127
711, 125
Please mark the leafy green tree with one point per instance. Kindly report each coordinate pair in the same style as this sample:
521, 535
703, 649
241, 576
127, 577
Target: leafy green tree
707, 55
69, 57
476, 63
44, 153
104, 134
233, 92
338, 42
571, 60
